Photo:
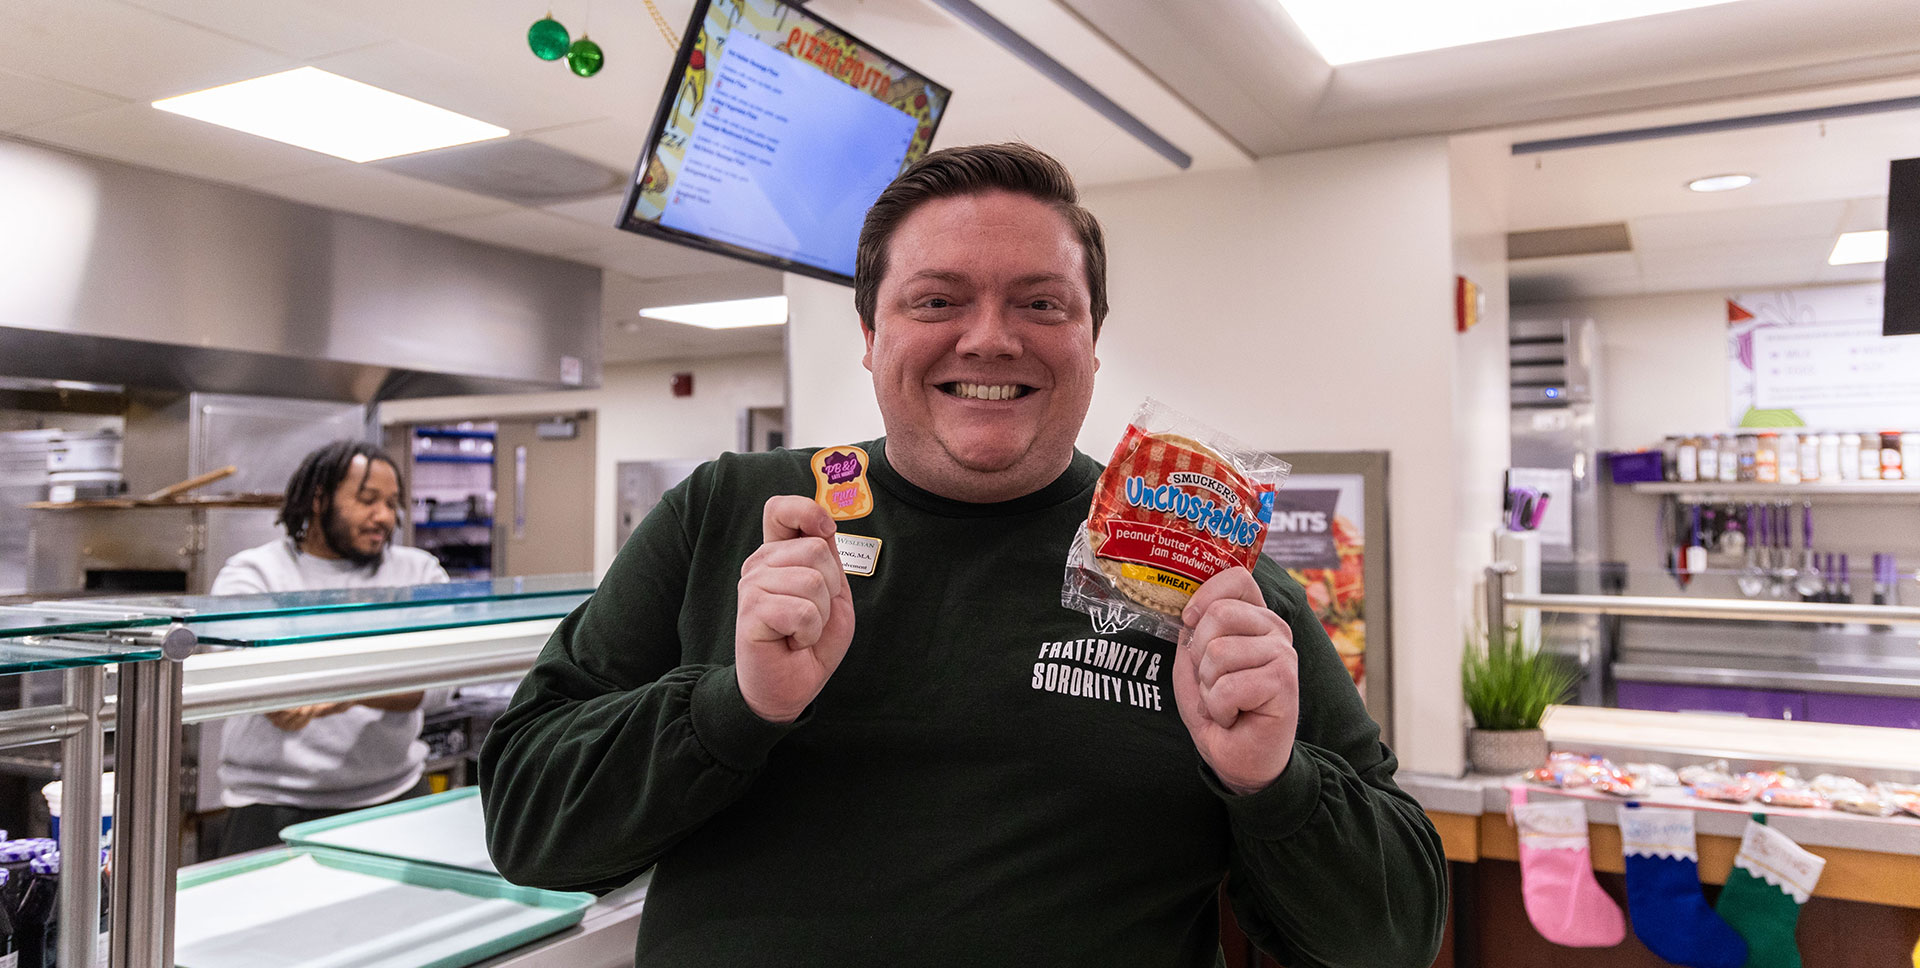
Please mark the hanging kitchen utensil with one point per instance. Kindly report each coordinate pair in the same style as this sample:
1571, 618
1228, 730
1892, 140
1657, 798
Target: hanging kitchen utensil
1753, 579
1808, 582
1696, 552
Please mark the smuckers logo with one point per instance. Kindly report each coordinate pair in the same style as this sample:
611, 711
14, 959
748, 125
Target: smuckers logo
841, 467
1191, 479
1224, 522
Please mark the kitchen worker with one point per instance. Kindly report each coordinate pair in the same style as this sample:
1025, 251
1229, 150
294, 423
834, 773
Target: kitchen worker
833, 769
309, 762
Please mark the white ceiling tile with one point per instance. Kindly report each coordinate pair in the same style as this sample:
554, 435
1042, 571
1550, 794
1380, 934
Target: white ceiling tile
364, 190
614, 142
1859, 272
513, 92
997, 97
1690, 229
652, 339
647, 258
1604, 265
523, 228
140, 135
300, 30
1865, 214
604, 210
124, 51
1765, 255
26, 100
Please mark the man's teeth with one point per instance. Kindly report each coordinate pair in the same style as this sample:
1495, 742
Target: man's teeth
982, 391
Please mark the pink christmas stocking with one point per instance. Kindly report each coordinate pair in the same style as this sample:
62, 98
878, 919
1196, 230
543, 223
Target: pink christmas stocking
1564, 902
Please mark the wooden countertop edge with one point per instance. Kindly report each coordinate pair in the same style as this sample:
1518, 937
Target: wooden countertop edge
1850, 875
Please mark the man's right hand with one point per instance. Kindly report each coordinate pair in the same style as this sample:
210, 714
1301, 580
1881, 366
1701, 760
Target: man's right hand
795, 616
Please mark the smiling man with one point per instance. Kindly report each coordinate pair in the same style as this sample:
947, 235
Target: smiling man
878, 738
294, 765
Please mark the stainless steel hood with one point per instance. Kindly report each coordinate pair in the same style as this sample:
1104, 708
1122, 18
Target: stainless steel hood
111, 273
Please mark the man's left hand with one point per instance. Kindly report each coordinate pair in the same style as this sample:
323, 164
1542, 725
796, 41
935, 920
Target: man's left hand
1236, 680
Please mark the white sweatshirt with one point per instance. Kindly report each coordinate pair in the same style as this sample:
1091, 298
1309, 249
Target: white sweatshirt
352, 759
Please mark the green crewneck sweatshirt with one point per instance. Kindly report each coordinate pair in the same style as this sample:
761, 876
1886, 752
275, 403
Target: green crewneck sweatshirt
987, 780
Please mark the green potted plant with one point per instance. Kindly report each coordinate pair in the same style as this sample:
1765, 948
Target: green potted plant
1508, 687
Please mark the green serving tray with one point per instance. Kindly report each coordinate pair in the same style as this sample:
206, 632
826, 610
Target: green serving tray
394, 830
561, 910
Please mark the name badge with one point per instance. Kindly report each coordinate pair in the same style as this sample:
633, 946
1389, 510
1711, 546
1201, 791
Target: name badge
858, 554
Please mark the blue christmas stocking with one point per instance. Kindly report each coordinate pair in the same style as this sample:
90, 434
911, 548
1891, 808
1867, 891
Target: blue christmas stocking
1670, 914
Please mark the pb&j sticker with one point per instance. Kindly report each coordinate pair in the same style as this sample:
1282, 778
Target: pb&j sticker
840, 482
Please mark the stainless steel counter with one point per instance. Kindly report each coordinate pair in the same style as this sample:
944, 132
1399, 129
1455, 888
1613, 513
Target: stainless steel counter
1854, 659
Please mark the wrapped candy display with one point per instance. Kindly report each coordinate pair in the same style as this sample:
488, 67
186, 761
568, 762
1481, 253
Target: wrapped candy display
1905, 796
1784, 788
1581, 771
1714, 781
1718, 782
1849, 794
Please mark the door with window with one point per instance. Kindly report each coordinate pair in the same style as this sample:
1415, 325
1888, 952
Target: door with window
543, 471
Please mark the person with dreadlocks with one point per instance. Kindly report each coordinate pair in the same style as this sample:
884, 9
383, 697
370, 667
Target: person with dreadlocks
295, 765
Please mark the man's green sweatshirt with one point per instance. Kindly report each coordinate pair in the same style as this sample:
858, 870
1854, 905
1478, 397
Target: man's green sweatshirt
986, 780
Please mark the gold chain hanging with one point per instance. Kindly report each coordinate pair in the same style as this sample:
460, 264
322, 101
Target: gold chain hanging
673, 41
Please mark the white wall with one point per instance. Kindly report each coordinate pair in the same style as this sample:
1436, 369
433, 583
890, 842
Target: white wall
637, 416
1304, 303
824, 346
1663, 363
1482, 440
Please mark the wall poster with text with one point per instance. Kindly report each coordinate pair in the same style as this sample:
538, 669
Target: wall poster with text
1329, 531
1816, 358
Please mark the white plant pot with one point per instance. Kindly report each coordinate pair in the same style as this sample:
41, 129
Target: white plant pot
1502, 751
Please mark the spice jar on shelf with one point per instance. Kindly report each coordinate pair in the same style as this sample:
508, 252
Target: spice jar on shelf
1891, 465
1766, 458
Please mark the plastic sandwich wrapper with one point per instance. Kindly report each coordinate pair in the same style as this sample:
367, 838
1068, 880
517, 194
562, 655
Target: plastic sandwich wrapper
1178, 503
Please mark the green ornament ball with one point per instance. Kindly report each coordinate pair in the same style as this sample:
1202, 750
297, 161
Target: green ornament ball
548, 39
585, 57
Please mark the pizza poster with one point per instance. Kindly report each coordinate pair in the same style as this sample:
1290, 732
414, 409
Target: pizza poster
1318, 533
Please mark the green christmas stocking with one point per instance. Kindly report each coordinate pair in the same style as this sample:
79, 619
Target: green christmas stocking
1771, 877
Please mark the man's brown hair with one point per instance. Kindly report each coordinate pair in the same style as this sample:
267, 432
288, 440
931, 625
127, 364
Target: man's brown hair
973, 170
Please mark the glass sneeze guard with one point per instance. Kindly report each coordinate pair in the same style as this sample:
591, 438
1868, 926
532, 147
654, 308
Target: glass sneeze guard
209, 608
36, 637
296, 626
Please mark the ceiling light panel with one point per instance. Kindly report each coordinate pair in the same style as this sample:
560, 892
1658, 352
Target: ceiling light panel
313, 109
1857, 247
728, 314
1347, 31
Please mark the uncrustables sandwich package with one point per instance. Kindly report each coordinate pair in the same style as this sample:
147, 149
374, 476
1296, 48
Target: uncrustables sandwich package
1178, 503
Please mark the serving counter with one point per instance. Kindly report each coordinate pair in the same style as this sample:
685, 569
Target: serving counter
1865, 907
177, 659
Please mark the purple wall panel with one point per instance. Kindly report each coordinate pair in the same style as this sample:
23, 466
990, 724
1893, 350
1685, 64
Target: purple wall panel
1668, 697
1899, 711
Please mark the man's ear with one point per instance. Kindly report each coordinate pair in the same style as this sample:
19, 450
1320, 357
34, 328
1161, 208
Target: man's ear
866, 359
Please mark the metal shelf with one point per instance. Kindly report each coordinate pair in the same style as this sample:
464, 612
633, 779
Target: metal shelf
1753, 490
453, 458
482, 523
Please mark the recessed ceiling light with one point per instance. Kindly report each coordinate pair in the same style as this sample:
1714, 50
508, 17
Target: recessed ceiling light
1345, 31
727, 314
310, 108
1857, 247
1720, 183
